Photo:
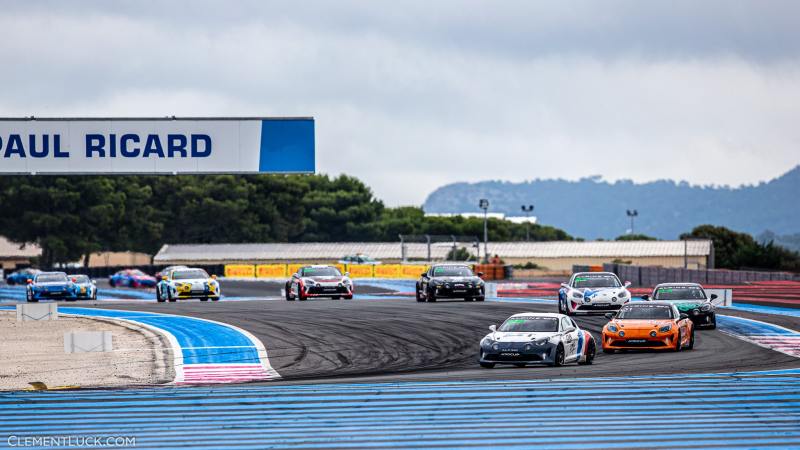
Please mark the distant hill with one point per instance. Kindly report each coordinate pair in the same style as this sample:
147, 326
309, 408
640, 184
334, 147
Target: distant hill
592, 208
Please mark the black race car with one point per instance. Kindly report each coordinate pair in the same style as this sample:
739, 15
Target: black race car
691, 299
450, 281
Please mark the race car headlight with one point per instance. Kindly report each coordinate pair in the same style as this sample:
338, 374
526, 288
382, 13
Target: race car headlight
665, 328
576, 294
309, 282
542, 341
487, 342
707, 307
612, 328
495, 347
346, 281
622, 294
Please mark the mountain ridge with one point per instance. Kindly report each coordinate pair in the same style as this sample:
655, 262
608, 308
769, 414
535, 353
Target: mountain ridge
592, 208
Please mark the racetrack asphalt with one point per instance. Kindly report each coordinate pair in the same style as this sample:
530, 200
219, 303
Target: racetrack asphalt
398, 339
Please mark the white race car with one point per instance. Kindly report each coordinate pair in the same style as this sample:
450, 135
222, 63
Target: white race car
592, 292
537, 338
188, 283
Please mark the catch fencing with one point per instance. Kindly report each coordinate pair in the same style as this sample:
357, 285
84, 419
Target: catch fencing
651, 276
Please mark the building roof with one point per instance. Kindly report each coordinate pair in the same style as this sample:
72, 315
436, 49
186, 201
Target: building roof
174, 253
10, 249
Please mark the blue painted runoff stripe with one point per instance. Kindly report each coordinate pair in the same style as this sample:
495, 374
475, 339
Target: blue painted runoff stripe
743, 410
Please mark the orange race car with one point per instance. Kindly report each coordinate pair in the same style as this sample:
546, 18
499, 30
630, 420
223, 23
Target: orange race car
648, 325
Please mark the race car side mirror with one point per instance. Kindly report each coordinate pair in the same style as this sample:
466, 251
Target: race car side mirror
424, 274
480, 274
94, 282
492, 328
610, 316
713, 296
213, 277
347, 274
564, 285
30, 281
74, 280
646, 297
294, 275
684, 316
627, 283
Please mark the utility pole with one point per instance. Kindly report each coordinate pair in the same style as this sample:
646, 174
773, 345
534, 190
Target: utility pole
484, 205
527, 209
632, 213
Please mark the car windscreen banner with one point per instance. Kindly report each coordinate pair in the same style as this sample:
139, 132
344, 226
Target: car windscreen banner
157, 146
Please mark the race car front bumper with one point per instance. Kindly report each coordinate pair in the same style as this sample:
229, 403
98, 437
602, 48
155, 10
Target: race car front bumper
328, 290
517, 352
639, 339
702, 318
595, 307
457, 290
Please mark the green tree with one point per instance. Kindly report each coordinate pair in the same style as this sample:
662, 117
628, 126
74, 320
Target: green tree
635, 237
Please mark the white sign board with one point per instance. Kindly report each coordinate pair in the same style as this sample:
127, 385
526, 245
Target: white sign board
36, 311
151, 146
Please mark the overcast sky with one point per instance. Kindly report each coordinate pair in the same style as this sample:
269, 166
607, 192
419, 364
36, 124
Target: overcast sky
412, 95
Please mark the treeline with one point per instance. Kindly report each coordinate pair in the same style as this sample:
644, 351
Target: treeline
72, 216
734, 250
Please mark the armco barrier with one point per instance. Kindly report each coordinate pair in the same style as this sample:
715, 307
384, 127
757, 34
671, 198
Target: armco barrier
387, 271
271, 271
240, 271
360, 270
412, 272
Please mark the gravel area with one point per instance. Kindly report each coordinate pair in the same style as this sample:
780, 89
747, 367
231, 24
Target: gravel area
34, 351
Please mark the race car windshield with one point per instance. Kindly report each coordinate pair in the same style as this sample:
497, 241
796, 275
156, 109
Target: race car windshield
321, 272
596, 281
51, 278
452, 271
137, 273
679, 293
530, 325
189, 274
655, 312
81, 278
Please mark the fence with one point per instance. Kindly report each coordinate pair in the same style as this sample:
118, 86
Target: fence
651, 276
105, 272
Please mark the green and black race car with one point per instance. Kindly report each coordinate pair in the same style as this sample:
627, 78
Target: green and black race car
691, 299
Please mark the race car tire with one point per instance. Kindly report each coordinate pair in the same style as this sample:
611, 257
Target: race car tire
94, 295
170, 297
29, 297
558, 360
348, 297
520, 364
713, 324
300, 295
487, 365
112, 283
159, 299
691, 341
678, 342
591, 349
431, 297
480, 298
561, 306
418, 294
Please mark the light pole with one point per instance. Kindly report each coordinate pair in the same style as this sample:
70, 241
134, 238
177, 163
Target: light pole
527, 209
632, 213
484, 205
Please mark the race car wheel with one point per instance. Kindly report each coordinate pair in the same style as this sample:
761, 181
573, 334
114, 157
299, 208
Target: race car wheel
558, 361
691, 341
713, 323
170, 297
590, 352
431, 296
480, 298
94, 295
679, 342
30, 298
300, 295
418, 294
348, 297
560, 306
159, 299
487, 365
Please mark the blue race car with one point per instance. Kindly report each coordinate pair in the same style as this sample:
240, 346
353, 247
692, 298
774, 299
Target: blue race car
54, 285
84, 286
22, 276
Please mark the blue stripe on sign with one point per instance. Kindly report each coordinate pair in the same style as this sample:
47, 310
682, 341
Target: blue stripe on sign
193, 335
287, 146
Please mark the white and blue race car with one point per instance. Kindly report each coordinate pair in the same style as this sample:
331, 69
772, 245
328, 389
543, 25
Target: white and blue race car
537, 338
83, 286
50, 285
592, 292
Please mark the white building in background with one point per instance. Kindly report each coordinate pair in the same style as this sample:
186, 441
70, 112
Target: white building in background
491, 215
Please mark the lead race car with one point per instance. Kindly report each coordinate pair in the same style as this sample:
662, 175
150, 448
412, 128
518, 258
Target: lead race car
537, 338
319, 281
450, 281
592, 292
691, 299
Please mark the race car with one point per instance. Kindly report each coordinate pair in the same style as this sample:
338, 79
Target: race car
319, 281
83, 286
648, 325
537, 338
450, 281
53, 285
190, 282
691, 299
134, 278
592, 292
22, 276
164, 273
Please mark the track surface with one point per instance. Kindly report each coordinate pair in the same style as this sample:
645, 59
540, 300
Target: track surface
400, 339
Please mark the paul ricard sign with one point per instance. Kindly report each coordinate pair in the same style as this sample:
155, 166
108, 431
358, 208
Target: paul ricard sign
153, 146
